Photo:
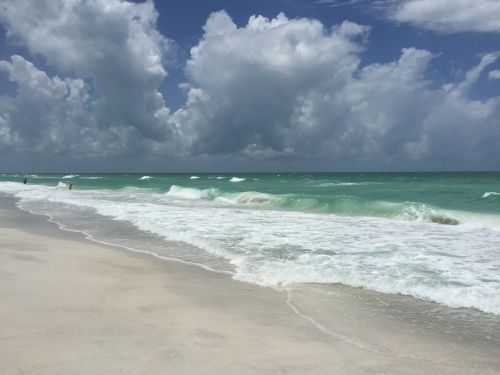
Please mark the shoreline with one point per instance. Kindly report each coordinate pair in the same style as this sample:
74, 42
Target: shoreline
71, 305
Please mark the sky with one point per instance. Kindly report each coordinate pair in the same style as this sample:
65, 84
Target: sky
263, 85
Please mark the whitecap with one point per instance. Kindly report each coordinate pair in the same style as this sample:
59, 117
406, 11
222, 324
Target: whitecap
329, 184
194, 177
489, 194
236, 179
145, 178
70, 176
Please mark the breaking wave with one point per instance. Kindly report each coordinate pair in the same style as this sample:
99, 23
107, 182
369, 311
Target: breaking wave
346, 206
145, 178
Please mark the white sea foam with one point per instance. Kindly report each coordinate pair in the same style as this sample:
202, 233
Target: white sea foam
458, 265
69, 176
61, 184
489, 194
236, 179
194, 177
191, 193
330, 184
220, 177
92, 178
145, 178
255, 197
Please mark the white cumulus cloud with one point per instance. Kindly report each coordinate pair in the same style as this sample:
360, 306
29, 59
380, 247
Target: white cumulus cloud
449, 16
47, 113
280, 89
248, 82
290, 88
446, 16
110, 45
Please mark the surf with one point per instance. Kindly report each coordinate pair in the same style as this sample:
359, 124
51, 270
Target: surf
280, 230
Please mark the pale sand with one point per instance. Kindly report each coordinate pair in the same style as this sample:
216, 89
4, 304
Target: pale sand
71, 306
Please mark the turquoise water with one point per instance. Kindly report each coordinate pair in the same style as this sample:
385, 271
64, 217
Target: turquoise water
430, 235
345, 193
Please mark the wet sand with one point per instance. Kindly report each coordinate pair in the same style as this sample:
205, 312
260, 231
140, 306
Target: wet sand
72, 306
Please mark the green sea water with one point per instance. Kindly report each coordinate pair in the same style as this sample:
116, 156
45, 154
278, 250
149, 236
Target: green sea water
434, 236
377, 194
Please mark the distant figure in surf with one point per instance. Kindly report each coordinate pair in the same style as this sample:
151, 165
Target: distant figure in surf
70, 186
25, 180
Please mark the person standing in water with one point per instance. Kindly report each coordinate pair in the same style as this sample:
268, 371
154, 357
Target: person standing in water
25, 180
70, 186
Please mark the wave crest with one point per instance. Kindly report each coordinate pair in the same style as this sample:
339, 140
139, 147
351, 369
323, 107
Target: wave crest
330, 184
422, 212
255, 197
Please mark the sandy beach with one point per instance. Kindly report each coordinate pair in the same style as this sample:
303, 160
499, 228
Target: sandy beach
72, 306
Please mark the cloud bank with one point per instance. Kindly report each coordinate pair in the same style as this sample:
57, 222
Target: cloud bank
291, 88
274, 89
113, 49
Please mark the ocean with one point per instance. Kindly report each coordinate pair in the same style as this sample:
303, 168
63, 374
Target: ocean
433, 236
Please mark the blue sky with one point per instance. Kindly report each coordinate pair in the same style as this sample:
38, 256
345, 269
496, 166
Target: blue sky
239, 85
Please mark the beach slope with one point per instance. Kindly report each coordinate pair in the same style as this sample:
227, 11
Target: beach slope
72, 306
